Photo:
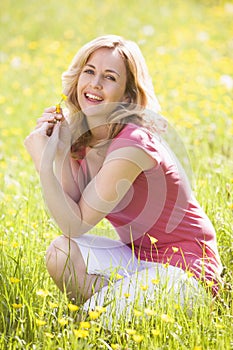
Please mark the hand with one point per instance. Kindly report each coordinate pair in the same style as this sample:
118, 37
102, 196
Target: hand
43, 143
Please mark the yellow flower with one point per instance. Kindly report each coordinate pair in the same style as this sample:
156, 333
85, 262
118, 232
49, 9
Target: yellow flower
190, 274
58, 105
153, 240
167, 318
197, 348
62, 321
73, 307
93, 315
53, 305
155, 281
126, 295
14, 280
130, 331
49, 335
17, 306
40, 322
166, 265
137, 313
175, 249
58, 108
210, 284
100, 309
42, 293
84, 324
155, 332
64, 97
80, 333
144, 288
149, 312
118, 276
138, 338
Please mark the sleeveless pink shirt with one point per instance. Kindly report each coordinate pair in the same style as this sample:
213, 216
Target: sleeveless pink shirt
159, 215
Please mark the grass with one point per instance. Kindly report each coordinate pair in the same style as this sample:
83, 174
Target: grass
188, 46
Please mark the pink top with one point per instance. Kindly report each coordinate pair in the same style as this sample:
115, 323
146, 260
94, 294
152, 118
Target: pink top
159, 214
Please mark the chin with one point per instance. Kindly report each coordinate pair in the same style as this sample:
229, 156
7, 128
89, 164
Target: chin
102, 110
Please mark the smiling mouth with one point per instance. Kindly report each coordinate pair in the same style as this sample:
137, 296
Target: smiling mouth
93, 98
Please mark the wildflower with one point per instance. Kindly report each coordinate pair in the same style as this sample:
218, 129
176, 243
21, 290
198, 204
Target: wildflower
17, 306
210, 284
84, 324
64, 97
63, 321
166, 265
53, 305
126, 295
58, 105
42, 293
93, 315
118, 276
155, 332
175, 249
14, 280
73, 307
197, 348
190, 274
40, 322
138, 338
155, 281
149, 312
166, 318
153, 240
144, 287
137, 313
130, 331
80, 333
49, 335
100, 309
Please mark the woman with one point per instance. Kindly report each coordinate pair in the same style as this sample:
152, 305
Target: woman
111, 162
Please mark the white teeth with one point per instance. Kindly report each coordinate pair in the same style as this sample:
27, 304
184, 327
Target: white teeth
94, 97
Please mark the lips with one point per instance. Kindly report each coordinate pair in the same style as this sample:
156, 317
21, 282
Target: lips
93, 97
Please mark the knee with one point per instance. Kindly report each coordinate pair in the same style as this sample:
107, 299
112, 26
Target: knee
63, 253
57, 252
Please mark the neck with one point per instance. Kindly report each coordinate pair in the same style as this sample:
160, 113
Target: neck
99, 133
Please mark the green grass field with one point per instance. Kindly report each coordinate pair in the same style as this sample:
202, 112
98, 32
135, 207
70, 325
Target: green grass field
188, 46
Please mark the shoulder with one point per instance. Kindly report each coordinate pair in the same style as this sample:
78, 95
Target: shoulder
135, 144
132, 135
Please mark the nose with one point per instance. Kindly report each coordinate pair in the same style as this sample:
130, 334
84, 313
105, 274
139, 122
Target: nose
96, 82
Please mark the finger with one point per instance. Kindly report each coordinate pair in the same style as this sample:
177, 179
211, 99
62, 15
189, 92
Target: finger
55, 131
51, 109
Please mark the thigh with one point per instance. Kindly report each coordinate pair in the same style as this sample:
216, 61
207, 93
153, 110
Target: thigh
104, 256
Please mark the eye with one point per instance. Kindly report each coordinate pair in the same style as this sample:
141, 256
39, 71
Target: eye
110, 77
89, 71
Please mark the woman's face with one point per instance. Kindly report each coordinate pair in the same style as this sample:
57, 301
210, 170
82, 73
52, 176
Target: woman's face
102, 82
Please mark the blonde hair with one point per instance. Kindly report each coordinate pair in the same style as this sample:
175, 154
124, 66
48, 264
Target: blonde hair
139, 88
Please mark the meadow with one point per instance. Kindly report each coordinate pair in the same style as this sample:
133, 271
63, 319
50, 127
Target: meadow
188, 46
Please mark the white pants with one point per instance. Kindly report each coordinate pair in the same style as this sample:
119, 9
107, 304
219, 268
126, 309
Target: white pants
133, 282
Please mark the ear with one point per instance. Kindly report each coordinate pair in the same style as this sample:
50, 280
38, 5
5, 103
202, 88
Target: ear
126, 99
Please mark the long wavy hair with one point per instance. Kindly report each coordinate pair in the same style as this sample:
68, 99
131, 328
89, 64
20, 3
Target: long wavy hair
139, 89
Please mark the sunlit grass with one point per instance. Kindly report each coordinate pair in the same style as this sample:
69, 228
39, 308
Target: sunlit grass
188, 46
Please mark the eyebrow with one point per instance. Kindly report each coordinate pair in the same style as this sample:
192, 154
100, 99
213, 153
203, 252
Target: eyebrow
107, 70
